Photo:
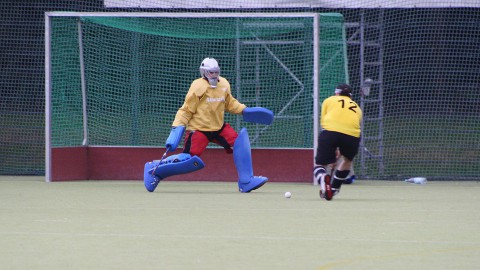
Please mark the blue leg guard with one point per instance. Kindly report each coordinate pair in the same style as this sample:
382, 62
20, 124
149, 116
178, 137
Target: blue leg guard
156, 170
242, 156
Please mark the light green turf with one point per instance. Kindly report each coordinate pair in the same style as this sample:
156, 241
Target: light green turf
209, 225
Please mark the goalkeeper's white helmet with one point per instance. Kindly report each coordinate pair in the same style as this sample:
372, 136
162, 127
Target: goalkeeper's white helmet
210, 70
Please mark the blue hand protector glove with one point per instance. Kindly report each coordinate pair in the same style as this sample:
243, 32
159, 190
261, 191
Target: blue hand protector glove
174, 138
258, 115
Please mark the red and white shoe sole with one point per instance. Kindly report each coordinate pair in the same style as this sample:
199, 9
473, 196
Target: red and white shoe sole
328, 189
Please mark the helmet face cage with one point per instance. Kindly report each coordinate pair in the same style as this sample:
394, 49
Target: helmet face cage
210, 70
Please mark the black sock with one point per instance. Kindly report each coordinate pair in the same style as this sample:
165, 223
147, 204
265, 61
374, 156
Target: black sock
339, 178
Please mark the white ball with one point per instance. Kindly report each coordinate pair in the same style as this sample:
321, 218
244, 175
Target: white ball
288, 194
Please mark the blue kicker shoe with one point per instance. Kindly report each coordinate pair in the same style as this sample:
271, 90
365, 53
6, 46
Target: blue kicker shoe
254, 183
350, 180
149, 180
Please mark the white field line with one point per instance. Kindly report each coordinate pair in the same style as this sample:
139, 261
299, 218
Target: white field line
229, 237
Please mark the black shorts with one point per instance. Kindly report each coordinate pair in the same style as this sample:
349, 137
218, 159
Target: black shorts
329, 141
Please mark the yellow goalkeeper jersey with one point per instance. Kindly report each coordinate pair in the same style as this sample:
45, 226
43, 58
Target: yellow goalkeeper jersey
204, 106
341, 114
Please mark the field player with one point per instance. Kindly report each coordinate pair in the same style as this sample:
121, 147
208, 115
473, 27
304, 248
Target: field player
340, 121
202, 115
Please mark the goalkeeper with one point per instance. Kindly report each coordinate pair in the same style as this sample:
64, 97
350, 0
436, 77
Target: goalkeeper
202, 116
340, 121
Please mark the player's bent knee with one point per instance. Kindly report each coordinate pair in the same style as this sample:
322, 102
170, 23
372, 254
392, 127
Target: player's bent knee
178, 164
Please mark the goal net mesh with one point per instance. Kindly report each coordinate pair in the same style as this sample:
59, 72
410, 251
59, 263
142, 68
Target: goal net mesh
136, 72
421, 117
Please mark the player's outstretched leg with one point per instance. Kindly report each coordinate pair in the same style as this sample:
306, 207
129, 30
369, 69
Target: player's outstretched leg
242, 156
156, 170
323, 178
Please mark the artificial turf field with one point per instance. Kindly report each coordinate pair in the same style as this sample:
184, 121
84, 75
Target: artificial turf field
384, 225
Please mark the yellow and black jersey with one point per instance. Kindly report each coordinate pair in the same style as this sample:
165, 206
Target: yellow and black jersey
204, 106
341, 114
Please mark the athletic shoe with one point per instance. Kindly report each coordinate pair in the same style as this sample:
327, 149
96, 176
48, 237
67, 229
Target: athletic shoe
255, 182
326, 191
350, 180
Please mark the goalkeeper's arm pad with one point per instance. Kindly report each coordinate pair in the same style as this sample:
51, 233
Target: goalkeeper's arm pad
258, 115
174, 138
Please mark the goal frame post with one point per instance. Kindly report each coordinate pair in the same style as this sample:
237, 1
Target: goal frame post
82, 152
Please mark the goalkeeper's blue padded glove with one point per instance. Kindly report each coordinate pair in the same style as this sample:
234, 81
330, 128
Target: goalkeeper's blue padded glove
174, 138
